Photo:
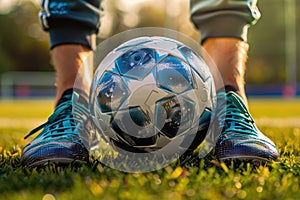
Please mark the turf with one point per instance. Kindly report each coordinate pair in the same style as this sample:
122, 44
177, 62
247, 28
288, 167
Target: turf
202, 179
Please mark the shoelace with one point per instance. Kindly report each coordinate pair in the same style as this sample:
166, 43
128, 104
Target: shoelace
234, 118
62, 123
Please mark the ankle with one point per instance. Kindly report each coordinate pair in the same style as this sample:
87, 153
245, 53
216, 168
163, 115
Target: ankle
229, 55
68, 61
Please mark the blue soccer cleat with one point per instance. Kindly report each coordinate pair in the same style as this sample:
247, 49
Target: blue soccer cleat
59, 141
240, 138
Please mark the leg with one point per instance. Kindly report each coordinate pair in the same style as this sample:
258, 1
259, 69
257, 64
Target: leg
229, 55
65, 136
223, 26
67, 60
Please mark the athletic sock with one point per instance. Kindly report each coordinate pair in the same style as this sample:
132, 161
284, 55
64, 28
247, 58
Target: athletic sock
227, 88
230, 88
66, 96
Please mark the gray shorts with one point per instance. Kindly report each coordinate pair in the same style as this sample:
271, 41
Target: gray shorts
79, 21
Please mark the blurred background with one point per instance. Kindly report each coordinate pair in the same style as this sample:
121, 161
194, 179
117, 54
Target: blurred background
26, 71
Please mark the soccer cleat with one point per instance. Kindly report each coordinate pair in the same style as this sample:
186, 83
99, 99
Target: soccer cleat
240, 138
60, 140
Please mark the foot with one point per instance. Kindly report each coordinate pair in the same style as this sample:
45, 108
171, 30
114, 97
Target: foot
61, 140
240, 138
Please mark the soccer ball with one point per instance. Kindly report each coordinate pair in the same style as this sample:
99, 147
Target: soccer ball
151, 91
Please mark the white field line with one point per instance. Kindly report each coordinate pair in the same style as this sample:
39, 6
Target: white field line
21, 122
293, 122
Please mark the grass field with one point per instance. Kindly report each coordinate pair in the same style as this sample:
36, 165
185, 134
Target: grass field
277, 118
